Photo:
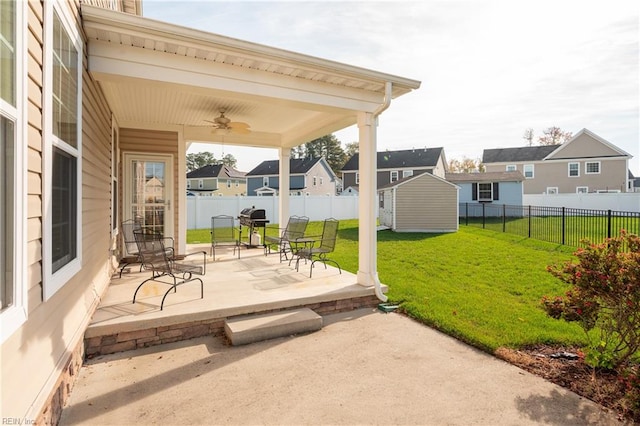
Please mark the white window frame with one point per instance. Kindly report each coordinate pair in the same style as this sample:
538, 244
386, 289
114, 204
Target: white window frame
484, 190
237, 183
569, 169
586, 168
321, 181
551, 190
511, 168
315, 181
582, 189
200, 183
228, 183
14, 315
524, 171
52, 282
265, 181
188, 183
357, 178
407, 173
392, 174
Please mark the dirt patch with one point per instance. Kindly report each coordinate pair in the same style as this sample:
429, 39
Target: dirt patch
557, 365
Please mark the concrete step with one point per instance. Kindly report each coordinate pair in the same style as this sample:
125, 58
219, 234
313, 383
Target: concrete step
254, 328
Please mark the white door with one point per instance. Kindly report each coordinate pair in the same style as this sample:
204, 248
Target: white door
386, 208
148, 189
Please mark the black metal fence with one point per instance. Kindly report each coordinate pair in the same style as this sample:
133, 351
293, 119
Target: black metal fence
562, 225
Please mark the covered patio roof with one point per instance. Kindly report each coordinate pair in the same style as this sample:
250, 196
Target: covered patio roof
160, 76
156, 74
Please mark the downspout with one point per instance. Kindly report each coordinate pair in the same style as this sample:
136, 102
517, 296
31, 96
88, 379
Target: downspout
385, 104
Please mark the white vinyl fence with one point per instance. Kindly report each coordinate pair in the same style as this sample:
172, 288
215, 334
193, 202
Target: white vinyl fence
315, 207
623, 202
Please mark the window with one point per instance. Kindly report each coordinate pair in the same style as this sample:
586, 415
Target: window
485, 192
237, 183
592, 167
528, 171
357, 178
265, 181
582, 189
552, 190
321, 181
407, 173
394, 176
200, 184
188, 184
315, 181
13, 289
511, 168
228, 183
62, 150
574, 169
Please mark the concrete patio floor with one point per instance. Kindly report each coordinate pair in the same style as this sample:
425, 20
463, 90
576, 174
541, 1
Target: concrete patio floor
251, 284
363, 367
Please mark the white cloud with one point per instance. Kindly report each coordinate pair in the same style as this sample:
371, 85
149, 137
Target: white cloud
489, 68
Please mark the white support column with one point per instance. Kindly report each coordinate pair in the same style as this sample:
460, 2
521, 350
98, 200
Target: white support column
367, 167
182, 194
284, 175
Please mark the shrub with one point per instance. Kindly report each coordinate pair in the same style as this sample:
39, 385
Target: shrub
604, 299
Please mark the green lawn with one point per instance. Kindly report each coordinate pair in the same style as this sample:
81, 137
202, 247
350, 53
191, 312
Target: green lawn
480, 286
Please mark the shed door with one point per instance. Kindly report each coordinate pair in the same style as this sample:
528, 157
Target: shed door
386, 208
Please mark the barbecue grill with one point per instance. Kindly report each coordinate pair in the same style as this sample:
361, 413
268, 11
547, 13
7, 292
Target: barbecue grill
252, 218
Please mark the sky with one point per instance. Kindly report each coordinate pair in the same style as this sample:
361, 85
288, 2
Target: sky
489, 69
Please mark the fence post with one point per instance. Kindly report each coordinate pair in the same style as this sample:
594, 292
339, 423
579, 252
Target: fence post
563, 225
483, 216
466, 214
529, 230
504, 218
608, 223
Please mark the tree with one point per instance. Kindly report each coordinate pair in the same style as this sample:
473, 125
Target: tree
528, 135
328, 147
554, 136
351, 148
229, 161
199, 159
466, 165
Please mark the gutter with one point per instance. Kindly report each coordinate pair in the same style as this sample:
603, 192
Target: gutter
385, 104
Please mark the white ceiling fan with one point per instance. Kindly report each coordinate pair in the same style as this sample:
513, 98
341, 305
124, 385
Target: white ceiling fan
225, 125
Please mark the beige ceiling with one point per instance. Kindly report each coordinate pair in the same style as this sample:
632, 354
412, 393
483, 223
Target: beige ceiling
158, 75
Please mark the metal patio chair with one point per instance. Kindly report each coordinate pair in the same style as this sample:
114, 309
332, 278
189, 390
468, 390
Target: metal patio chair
296, 227
223, 233
165, 269
317, 248
128, 227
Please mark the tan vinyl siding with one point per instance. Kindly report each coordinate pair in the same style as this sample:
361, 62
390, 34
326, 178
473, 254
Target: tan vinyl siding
152, 142
426, 203
39, 349
585, 146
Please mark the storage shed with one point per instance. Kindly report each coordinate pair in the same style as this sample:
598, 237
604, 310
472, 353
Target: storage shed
420, 203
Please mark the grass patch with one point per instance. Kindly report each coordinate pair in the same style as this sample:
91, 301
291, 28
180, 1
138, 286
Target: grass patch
480, 286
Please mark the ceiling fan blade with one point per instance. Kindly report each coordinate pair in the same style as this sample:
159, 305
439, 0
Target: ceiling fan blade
239, 127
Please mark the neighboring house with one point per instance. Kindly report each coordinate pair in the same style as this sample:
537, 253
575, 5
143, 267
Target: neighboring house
395, 165
308, 176
489, 187
419, 203
98, 106
586, 163
216, 179
634, 183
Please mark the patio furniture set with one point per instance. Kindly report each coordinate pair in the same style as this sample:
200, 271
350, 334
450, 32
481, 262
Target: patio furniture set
155, 253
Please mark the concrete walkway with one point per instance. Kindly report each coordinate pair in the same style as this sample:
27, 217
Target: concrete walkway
363, 367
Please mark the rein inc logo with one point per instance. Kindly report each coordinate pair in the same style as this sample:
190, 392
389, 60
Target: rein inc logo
17, 421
